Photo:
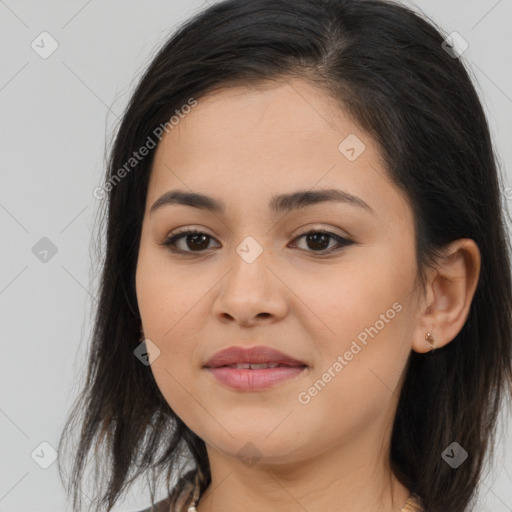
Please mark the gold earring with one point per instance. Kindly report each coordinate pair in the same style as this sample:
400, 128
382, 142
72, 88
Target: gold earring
431, 340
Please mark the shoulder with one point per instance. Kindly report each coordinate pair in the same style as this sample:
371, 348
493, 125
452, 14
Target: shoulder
161, 506
180, 495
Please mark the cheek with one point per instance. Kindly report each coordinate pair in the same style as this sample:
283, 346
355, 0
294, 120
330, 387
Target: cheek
362, 314
166, 305
167, 310
356, 380
355, 300
165, 295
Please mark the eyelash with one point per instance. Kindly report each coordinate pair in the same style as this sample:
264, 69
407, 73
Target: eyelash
170, 242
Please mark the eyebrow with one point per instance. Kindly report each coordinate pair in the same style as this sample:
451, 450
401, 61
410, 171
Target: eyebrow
278, 204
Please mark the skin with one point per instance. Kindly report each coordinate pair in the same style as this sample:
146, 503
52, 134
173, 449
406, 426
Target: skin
243, 145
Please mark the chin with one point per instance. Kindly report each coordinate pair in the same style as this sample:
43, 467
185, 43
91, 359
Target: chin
252, 447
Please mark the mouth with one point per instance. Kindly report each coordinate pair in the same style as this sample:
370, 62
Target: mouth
259, 366
253, 369
252, 358
251, 380
250, 377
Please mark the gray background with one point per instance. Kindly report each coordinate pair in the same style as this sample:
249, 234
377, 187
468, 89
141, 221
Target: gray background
57, 117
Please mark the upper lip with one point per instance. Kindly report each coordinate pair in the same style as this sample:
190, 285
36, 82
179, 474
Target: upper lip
256, 355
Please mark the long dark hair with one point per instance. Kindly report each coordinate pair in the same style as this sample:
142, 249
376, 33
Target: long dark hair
388, 68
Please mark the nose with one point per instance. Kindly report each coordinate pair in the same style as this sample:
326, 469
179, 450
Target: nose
251, 293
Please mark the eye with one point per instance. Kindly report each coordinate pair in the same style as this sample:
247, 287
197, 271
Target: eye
198, 241
317, 238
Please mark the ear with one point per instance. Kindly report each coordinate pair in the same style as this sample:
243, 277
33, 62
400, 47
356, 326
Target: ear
449, 292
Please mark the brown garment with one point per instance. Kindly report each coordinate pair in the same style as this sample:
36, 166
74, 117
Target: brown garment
161, 506
413, 504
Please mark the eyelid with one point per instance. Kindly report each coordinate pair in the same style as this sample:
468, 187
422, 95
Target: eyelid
304, 230
316, 227
341, 240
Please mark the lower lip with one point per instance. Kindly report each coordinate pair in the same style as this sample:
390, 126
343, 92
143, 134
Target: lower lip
254, 380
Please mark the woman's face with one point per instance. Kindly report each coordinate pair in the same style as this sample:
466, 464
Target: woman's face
346, 310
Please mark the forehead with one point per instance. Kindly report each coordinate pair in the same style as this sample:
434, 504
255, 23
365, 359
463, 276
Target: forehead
273, 138
289, 114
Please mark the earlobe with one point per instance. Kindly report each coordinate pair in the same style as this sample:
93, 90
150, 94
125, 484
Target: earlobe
431, 340
425, 341
450, 291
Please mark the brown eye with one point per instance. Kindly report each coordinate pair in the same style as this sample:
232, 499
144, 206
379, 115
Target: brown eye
318, 240
195, 240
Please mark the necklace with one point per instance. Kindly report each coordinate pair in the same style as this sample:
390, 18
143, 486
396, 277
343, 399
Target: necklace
409, 505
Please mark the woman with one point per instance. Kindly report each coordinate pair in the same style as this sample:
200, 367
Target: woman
306, 291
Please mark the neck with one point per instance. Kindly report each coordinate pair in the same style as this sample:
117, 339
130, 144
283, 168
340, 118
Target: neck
355, 477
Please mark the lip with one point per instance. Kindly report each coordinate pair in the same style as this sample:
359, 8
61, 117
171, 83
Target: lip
257, 355
242, 379
255, 380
